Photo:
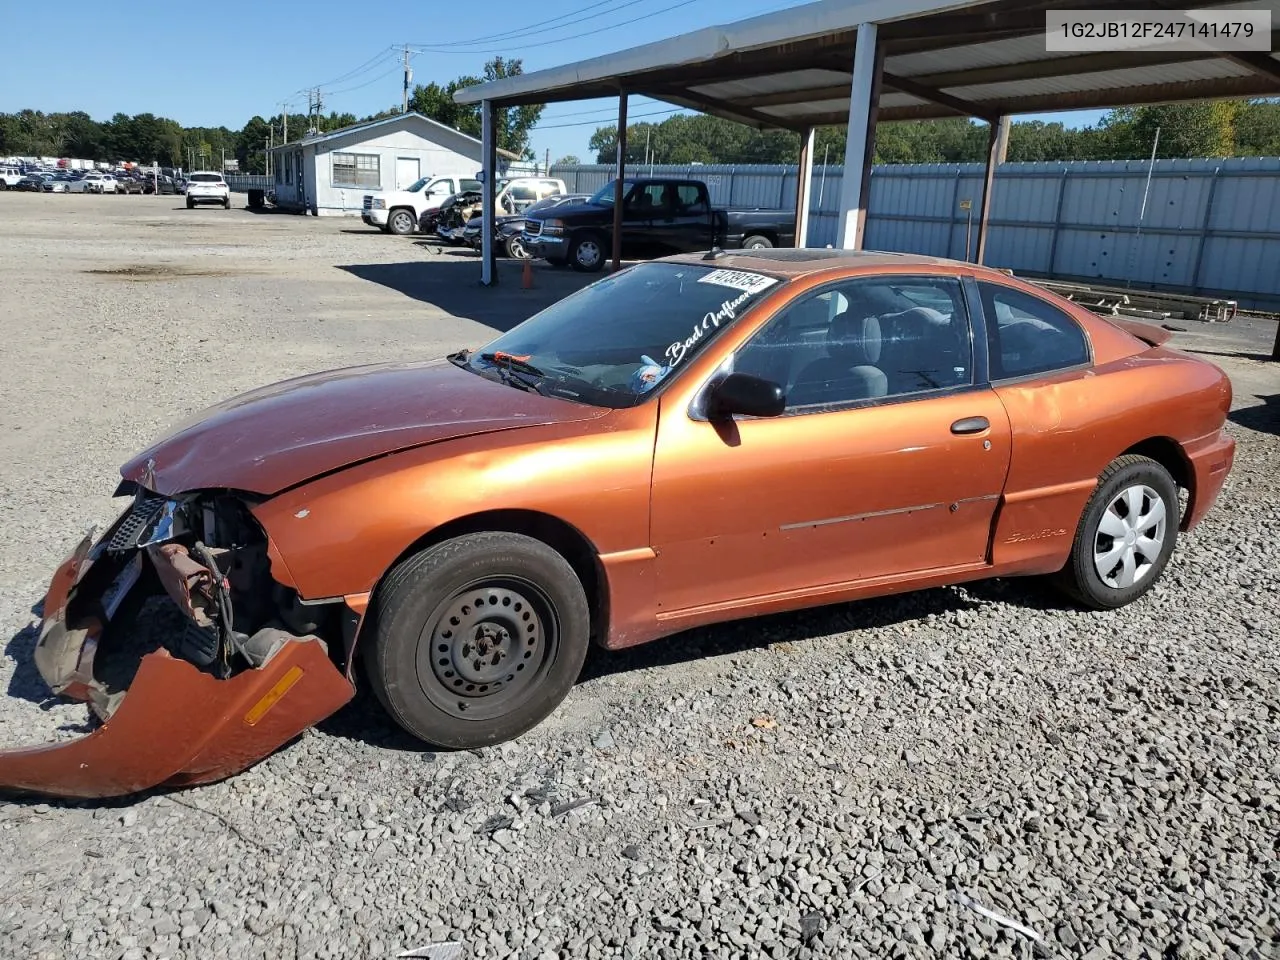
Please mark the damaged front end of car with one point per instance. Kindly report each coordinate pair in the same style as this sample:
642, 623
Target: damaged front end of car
245, 668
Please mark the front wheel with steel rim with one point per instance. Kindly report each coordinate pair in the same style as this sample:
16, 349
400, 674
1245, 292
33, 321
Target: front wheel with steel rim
587, 253
475, 640
1126, 535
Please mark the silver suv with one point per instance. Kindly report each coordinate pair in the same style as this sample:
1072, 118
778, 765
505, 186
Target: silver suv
207, 187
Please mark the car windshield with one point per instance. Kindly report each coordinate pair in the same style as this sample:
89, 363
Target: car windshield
205, 178
604, 196
417, 185
614, 341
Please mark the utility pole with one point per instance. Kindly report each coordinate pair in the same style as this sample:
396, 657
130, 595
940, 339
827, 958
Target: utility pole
284, 121
408, 79
548, 173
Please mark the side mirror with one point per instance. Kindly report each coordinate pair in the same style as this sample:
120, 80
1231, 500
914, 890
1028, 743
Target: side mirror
741, 393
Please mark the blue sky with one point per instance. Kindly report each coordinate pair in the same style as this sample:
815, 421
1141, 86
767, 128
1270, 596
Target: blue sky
136, 59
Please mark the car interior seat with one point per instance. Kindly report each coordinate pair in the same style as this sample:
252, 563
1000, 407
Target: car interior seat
848, 371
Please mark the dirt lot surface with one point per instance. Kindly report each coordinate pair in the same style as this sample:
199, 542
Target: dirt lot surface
861, 780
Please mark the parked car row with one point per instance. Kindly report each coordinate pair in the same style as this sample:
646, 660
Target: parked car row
83, 181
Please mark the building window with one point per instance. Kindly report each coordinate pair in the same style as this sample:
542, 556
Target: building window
280, 165
287, 159
357, 170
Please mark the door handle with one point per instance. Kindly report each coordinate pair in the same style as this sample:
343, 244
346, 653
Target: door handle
971, 425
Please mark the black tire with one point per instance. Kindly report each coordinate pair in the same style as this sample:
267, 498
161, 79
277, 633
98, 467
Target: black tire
226, 204
1094, 546
190, 204
426, 677
401, 222
757, 242
516, 249
580, 251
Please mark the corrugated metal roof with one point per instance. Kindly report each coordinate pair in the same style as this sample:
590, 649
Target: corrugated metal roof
1104, 80
786, 68
772, 83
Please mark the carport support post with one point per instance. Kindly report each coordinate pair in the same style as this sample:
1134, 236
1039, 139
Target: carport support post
618, 188
993, 158
489, 146
804, 180
860, 145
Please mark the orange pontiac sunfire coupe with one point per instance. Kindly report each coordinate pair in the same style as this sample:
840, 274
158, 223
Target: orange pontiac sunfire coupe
690, 440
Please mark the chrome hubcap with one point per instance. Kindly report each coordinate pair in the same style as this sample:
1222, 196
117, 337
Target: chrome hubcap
588, 253
1130, 536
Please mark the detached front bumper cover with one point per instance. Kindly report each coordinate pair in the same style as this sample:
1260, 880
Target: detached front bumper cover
176, 725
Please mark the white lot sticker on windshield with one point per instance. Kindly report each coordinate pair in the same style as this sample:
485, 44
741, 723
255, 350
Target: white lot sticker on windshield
739, 280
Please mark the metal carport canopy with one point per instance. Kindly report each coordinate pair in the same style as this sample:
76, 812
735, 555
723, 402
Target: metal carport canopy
797, 69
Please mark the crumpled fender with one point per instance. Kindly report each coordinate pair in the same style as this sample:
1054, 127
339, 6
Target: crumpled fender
177, 726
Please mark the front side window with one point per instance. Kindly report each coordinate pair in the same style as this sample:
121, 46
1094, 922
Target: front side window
611, 343
1027, 336
865, 339
357, 170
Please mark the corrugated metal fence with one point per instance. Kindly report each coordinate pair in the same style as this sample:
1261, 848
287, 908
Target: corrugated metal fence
1209, 226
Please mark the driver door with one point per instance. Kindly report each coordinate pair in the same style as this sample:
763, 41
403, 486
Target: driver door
641, 209
894, 468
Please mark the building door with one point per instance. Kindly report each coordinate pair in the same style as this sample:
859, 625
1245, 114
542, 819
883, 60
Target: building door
408, 171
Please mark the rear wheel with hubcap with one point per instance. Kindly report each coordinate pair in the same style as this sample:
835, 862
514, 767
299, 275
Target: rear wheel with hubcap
1126, 535
476, 640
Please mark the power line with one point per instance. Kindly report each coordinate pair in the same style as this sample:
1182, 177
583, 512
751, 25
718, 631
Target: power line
424, 48
368, 65
542, 28
361, 86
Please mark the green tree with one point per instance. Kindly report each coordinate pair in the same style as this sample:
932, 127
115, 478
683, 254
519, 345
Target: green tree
1258, 129
1186, 130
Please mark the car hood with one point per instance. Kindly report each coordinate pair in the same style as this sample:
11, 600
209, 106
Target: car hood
278, 436
567, 211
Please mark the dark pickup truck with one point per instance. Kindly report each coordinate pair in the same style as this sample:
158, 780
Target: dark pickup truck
659, 217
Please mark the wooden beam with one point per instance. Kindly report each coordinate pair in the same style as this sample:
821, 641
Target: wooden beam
984, 217
1263, 64
804, 180
619, 187
1065, 66
730, 111
933, 95
785, 98
869, 150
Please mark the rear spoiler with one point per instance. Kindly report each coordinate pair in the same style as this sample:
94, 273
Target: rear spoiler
1146, 332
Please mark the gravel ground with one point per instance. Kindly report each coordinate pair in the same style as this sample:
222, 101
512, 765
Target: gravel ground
862, 780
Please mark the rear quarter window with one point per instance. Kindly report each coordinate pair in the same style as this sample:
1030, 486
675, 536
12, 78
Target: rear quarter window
1027, 335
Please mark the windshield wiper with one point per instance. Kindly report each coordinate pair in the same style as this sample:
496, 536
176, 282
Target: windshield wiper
517, 371
510, 362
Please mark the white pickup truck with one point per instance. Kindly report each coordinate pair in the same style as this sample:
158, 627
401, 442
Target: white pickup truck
397, 211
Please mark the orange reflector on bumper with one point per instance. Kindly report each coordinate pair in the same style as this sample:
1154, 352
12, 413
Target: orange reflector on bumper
272, 696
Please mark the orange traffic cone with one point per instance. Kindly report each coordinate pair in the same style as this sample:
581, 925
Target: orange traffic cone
526, 280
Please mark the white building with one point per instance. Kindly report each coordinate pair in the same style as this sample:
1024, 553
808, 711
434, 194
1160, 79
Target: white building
329, 174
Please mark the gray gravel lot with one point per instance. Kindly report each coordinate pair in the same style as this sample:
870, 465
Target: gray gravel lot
853, 781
